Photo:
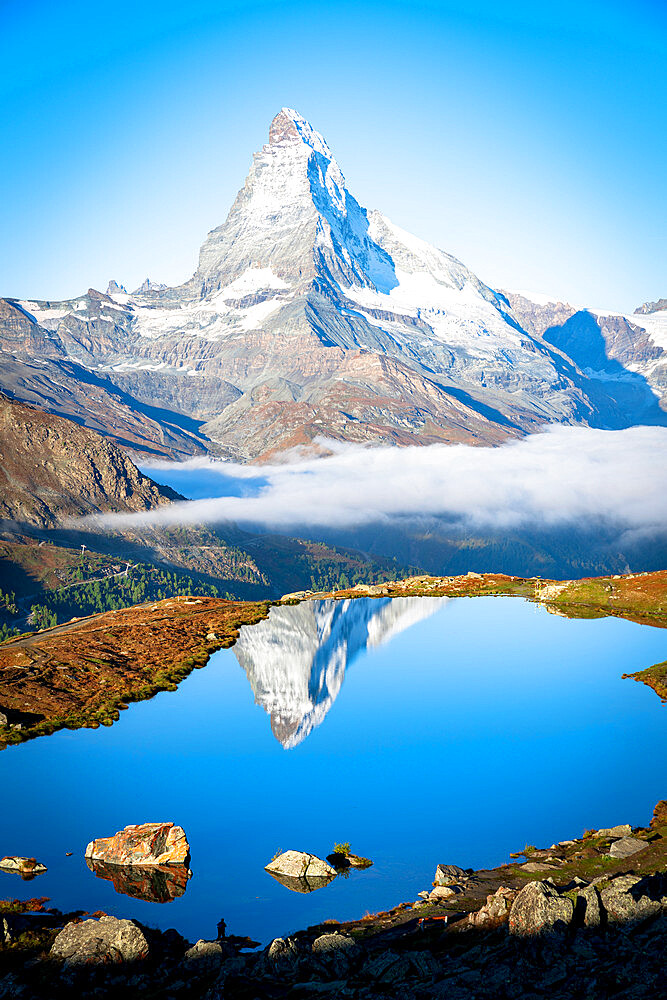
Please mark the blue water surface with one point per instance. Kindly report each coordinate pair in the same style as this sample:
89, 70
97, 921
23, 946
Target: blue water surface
486, 725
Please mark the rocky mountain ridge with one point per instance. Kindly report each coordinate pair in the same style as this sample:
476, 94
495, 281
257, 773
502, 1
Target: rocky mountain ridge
51, 469
310, 317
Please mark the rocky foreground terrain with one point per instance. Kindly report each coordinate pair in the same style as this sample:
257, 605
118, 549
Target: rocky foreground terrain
584, 918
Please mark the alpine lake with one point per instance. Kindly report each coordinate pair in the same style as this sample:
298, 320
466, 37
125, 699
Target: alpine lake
420, 730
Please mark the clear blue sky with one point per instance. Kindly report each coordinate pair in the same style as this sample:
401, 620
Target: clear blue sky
528, 139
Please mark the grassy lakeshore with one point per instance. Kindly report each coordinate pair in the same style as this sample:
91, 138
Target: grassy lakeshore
83, 673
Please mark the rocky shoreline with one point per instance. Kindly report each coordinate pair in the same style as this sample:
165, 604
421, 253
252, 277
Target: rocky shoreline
584, 918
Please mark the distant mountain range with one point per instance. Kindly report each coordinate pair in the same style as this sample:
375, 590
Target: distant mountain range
309, 316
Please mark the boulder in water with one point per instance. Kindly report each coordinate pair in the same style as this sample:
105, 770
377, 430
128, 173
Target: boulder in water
27, 868
297, 864
142, 844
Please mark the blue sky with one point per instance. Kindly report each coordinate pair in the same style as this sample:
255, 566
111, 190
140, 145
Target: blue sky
529, 140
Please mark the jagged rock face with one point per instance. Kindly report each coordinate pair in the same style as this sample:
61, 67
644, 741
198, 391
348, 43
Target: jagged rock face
652, 307
142, 844
51, 468
296, 659
623, 359
310, 316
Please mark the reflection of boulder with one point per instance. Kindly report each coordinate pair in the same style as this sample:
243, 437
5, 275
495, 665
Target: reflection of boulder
154, 883
300, 872
142, 844
302, 884
296, 659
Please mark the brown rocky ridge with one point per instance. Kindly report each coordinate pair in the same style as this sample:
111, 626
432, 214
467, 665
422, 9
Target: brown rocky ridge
51, 468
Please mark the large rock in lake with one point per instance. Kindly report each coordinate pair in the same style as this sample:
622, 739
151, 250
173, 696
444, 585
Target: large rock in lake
143, 844
297, 864
539, 909
93, 942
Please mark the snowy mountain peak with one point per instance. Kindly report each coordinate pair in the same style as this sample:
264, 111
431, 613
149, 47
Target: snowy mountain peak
289, 126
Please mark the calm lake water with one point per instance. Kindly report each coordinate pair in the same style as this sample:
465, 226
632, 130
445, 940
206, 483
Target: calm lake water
421, 730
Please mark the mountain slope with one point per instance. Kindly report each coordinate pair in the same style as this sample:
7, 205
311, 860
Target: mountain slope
309, 316
51, 469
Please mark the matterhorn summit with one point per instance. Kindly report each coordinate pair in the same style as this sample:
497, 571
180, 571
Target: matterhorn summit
310, 318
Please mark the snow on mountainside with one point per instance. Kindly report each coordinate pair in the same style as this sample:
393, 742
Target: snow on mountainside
296, 659
309, 316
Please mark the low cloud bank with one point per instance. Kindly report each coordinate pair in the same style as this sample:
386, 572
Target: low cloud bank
547, 480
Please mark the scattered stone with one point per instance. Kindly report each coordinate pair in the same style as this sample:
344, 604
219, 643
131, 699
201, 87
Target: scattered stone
496, 910
389, 967
588, 907
142, 844
448, 874
204, 954
626, 847
342, 861
612, 832
297, 864
334, 942
632, 899
27, 867
283, 952
441, 892
538, 908
91, 942
338, 951
356, 861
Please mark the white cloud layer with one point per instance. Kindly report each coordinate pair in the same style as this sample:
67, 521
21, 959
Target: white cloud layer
546, 480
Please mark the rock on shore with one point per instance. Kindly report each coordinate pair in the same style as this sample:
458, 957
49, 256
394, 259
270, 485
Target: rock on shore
93, 942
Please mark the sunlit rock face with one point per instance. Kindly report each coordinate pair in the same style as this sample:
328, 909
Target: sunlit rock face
308, 317
296, 659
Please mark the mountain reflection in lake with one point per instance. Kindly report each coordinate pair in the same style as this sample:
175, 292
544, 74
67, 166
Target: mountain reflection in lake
296, 659
463, 730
